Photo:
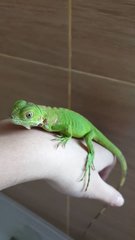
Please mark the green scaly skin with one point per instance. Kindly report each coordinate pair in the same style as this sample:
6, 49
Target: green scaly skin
68, 124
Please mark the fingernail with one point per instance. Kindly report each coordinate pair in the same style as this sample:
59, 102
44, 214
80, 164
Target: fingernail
118, 201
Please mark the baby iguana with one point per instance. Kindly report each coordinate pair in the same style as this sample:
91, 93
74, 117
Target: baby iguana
68, 124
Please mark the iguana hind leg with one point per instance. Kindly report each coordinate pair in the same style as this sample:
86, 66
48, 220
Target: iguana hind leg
90, 157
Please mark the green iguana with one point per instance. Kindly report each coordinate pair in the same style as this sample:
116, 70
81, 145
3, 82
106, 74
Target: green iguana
68, 124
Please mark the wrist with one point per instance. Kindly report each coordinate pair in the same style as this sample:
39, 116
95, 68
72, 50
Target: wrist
20, 158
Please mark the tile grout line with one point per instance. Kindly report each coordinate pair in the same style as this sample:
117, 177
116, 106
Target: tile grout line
103, 77
69, 51
66, 69
34, 62
68, 199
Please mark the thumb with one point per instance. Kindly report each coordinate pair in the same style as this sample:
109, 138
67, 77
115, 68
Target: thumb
104, 192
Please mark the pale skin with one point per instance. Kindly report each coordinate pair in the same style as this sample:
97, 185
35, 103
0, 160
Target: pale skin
31, 155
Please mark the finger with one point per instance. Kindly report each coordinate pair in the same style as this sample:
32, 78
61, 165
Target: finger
104, 191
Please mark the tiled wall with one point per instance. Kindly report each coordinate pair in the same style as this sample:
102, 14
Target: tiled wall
34, 65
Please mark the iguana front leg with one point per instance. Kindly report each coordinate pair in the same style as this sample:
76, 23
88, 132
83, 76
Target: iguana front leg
62, 140
65, 132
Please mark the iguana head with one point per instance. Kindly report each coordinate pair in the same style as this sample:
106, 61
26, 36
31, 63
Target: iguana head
26, 114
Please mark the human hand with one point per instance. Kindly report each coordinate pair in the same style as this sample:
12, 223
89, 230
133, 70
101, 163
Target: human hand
30, 154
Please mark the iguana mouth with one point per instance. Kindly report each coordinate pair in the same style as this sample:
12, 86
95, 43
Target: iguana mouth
20, 122
24, 124
17, 121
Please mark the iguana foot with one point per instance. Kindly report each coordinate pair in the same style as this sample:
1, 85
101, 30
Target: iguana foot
62, 140
86, 175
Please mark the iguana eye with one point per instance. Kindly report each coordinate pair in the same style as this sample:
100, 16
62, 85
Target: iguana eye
29, 115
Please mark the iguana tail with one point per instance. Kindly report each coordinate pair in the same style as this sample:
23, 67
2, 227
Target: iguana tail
105, 142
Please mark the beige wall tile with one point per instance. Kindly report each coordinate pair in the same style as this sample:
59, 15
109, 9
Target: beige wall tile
19, 79
103, 38
35, 30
